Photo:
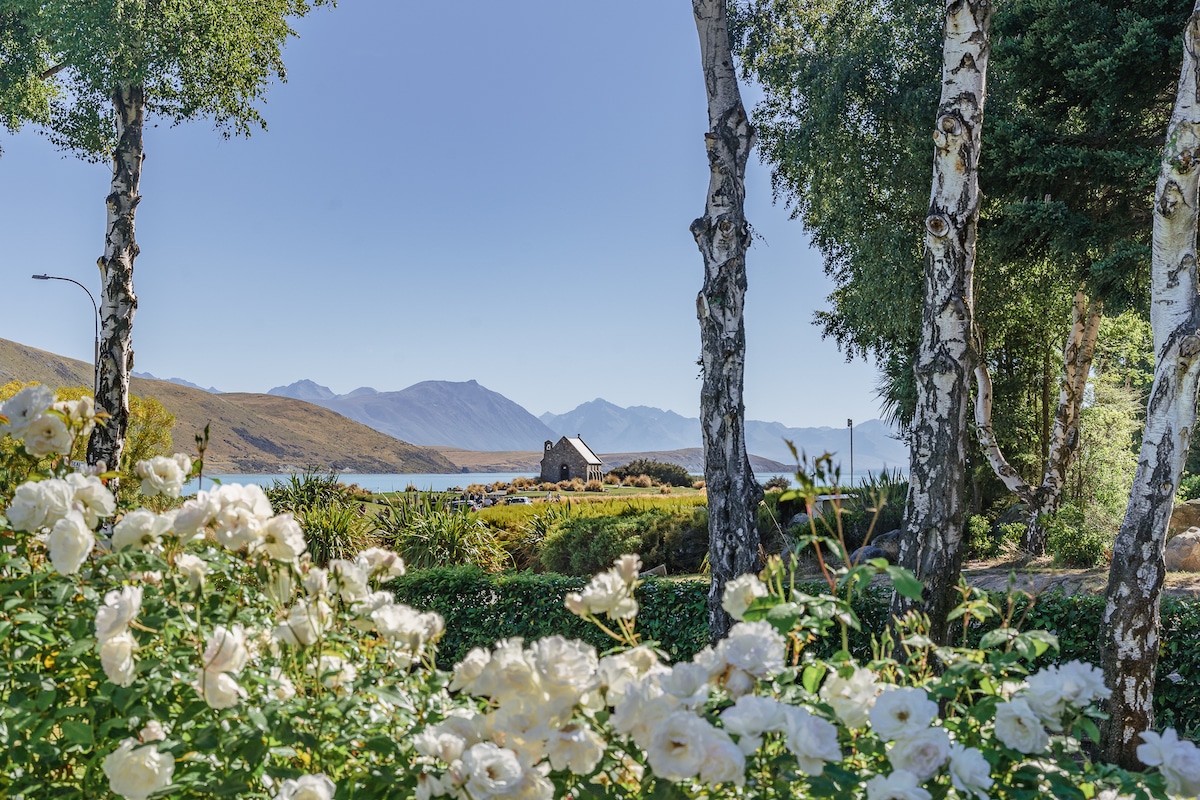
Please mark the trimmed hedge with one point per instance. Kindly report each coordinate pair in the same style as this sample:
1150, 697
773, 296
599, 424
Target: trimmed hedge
480, 608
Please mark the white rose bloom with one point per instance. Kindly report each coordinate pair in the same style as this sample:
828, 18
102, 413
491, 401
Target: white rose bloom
970, 772
750, 717
91, 497
39, 505
140, 529
163, 475
678, 746
688, 682
305, 622
226, 650
740, 593
566, 665
316, 582
307, 787
219, 689
196, 515
280, 585
902, 712
334, 672
283, 540
284, 689
443, 745
753, 647
193, 568
80, 413
349, 580
70, 543
1177, 759
851, 698
153, 731
380, 563
812, 740
47, 435
373, 601
237, 528
1051, 690
136, 771
607, 593
724, 762
116, 658
923, 753
574, 747
491, 771
467, 671
120, 608
1018, 727
617, 672
643, 708
900, 785
23, 408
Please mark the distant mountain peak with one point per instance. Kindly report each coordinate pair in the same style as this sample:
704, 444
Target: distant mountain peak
176, 381
304, 390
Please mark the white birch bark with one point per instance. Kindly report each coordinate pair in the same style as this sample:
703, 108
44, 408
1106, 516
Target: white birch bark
931, 546
723, 236
1078, 354
1130, 633
117, 300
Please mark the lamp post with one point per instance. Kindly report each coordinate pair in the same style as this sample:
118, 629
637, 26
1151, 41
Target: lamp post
850, 425
95, 320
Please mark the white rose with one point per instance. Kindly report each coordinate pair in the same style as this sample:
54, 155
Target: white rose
750, 717
902, 712
753, 647
900, 785
305, 622
284, 689
116, 658
970, 772
91, 497
153, 731
316, 581
812, 740
80, 414
47, 435
574, 747
193, 568
70, 543
678, 746
1018, 727
140, 529
688, 682
219, 689
226, 650
349, 580
120, 608
1177, 759
740, 593
24, 407
1050, 691
163, 475
564, 664
724, 762
851, 698
467, 671
490, 771
922, 753
137, 771
334, 672
195, 516
282, 538
384, 562
607, 593
39, 505
307, 787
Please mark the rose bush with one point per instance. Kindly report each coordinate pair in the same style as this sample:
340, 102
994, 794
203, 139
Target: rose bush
199, 653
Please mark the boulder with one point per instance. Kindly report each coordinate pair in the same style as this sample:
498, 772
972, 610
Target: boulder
889, 543
1184, 516
1017, 512
1182, 553
867, 553
798, 521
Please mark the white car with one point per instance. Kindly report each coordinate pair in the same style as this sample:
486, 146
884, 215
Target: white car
518, 501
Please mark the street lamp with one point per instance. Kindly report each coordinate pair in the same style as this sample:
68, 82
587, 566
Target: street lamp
850, 425
95, 320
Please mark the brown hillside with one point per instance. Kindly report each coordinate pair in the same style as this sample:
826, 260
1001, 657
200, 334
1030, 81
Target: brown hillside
248, 432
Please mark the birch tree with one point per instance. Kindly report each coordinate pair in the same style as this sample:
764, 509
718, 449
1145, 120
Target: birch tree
723, 236
1130, 633
111, 63
931, 544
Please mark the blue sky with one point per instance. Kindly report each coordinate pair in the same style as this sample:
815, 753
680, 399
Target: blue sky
446, 191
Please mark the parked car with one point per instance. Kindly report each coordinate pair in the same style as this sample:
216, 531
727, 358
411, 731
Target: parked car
518, 501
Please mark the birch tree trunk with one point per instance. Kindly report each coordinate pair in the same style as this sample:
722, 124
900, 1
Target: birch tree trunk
931, 546
117, 300
1131, 624
1078, 354
723, 236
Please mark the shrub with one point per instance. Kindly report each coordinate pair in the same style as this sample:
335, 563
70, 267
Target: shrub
1189, 488
1075, 540
698, 484
660, 535
777, 482
547, 487
593, 486
521, 483
334, 530
640, 481
662, 472
312, 487
427, 533
612, 480
664, 489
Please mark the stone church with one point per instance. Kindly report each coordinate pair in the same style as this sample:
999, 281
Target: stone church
570, 458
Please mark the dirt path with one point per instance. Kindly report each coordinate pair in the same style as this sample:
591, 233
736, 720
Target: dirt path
1040, 575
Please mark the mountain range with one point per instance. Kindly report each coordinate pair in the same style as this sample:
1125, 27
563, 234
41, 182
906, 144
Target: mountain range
468, 416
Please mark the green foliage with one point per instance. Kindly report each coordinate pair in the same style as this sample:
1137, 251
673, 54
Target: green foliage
669, 474
585, 545
1189, 488
1077, 539
428, 532
1102, 475
313, 487
335, 530
779, 482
